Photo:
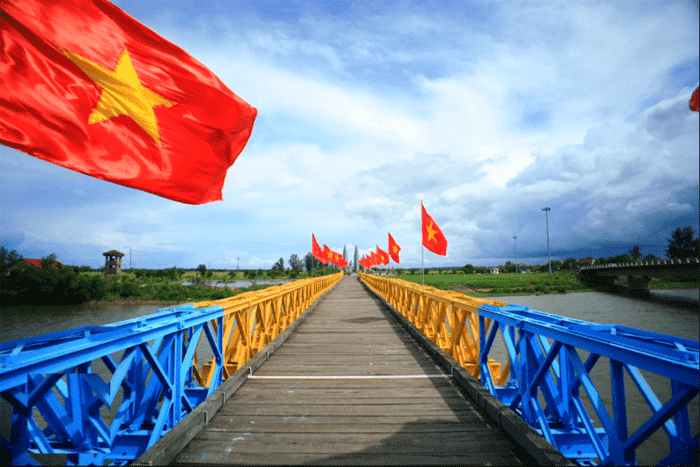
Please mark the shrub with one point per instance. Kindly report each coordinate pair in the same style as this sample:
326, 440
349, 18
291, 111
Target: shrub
129, 288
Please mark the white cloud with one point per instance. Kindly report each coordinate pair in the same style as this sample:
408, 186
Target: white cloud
487, 114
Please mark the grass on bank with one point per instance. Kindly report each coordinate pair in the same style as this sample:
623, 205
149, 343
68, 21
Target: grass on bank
494, 285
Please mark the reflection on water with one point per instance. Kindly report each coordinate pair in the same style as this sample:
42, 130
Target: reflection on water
18, 322
663, 316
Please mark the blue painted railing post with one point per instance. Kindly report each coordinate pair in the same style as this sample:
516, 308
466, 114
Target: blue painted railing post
547, 375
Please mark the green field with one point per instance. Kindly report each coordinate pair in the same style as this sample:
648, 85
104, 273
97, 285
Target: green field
485, 285
494, 285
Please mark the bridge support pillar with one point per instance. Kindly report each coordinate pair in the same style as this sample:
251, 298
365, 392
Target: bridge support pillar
638, 284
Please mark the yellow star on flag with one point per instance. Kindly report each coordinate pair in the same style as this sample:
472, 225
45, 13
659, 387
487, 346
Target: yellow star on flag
431, 232
122, 93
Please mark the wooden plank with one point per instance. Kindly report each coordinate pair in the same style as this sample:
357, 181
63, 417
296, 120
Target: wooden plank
347, 459
491, 439
442, 412
389, 384
377, 421
266, 392
243, 424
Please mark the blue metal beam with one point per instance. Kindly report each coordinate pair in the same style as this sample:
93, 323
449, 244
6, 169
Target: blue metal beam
57, 399
547, 349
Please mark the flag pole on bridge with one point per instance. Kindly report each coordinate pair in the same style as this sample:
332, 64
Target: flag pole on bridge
432, 237
422, 246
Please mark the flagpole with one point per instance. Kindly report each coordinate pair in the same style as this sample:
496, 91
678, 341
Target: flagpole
422, 253
422, 247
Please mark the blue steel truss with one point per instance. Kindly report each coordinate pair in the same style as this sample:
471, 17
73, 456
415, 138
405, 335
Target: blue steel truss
545, 375
61, 405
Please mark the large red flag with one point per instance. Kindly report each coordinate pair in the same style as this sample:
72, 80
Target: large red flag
316, 250
394, 249
694, 102
87, 87
433, 239
383, 256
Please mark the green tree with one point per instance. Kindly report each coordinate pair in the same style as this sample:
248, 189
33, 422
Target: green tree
47, 261
468, 269
682, 244
636, 252
8, 260
230, 275
279, 265
202, 271
570, 263
312, 263
295, 262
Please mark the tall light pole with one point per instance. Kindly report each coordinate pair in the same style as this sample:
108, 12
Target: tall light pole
515, 249
549, 257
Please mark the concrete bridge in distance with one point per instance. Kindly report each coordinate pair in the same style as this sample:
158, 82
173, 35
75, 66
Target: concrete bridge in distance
639, 274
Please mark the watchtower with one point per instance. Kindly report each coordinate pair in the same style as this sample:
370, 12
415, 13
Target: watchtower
113, 263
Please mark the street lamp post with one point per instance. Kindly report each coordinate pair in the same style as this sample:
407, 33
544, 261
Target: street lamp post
515, 249
549, 257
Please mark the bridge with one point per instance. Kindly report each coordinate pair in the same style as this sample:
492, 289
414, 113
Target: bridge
639, 274
335, 370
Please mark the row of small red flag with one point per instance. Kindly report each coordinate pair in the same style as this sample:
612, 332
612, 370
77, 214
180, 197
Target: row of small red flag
433, 239
326, 255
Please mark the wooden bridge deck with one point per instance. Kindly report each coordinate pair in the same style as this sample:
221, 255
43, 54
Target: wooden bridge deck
351, 386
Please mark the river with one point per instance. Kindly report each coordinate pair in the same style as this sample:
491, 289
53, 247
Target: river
673, 312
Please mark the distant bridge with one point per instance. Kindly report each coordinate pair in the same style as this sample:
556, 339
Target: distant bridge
639, 274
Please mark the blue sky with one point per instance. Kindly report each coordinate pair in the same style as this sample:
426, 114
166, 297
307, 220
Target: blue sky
487, 111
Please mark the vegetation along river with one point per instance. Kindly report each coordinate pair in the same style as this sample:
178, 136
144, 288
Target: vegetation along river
679, 318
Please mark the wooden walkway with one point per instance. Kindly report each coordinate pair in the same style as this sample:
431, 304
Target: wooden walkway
350, 386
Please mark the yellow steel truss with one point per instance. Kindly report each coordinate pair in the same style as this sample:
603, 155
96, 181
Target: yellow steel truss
254, 319
449, 319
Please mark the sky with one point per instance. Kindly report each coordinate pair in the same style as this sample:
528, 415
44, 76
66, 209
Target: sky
487, 111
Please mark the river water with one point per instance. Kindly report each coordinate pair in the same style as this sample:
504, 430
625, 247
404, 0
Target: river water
672, 312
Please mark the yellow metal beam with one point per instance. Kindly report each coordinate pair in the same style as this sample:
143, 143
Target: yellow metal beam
450, 319
253, 319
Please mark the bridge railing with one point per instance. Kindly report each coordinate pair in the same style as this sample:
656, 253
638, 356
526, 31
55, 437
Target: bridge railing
99, 394
551, 384
450, 319
549, 362
643, 263
253, 319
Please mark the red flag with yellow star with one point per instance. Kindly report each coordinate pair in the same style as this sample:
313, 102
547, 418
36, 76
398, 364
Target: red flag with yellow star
394, 249
317, 251
383, 256
87, 87
433, 239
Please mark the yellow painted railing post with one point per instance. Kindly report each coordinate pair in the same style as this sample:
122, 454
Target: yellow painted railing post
449, 319
253, 319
